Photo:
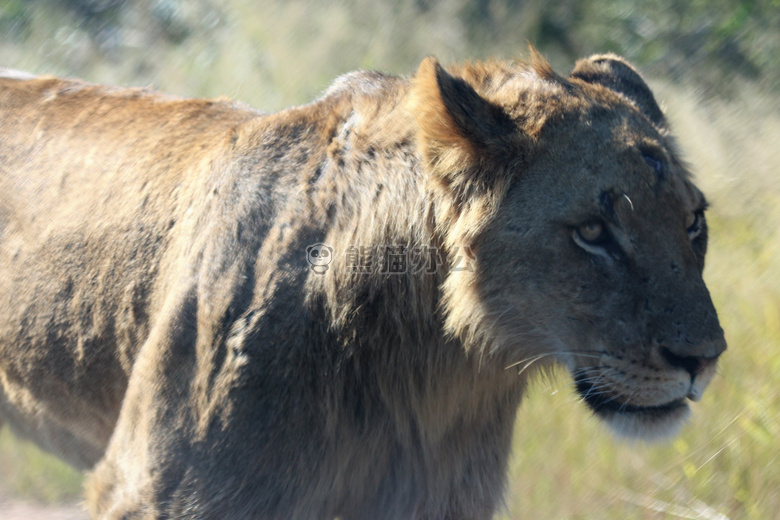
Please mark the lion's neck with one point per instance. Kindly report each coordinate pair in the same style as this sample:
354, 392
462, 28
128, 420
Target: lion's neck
382, 292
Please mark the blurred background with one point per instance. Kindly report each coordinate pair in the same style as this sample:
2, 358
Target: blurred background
715, 67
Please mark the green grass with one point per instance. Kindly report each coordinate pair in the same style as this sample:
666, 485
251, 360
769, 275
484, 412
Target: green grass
566, 465
27, 472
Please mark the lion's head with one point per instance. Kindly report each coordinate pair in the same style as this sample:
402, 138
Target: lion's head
589, 234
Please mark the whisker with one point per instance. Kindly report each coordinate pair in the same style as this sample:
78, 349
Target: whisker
627, 401
530, 362
597, 387
540, 356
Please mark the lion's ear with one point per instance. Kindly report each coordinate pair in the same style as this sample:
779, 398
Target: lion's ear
615, 73
457, 128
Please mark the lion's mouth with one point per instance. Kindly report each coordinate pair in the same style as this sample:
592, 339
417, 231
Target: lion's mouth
605, 404
647, 422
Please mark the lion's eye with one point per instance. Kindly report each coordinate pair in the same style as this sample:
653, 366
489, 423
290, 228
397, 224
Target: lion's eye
594, 238
694, 224
592, 232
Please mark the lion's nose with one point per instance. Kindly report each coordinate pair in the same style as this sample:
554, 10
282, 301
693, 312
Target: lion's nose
691, 364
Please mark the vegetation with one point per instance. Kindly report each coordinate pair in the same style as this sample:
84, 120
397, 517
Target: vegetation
715, 65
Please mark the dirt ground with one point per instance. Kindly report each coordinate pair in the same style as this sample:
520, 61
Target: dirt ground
15, 509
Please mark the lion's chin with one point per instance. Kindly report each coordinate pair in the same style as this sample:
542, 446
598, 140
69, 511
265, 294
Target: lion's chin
648, 423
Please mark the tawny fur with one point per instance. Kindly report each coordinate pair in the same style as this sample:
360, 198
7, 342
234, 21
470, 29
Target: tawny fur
160, 324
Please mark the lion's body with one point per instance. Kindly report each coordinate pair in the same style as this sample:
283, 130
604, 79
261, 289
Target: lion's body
84, 277
159, 321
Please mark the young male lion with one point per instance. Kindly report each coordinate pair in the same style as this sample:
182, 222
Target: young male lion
328, 311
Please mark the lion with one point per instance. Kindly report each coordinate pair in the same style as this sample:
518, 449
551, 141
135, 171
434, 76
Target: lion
332, 311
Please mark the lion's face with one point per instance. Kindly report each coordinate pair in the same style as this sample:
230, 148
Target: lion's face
599, 248
594, 253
